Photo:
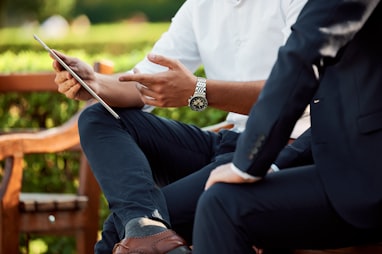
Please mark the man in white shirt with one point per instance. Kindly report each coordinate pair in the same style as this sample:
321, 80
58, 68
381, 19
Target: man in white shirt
236, 41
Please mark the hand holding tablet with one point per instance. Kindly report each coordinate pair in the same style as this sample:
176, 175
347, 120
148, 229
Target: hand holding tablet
78, 78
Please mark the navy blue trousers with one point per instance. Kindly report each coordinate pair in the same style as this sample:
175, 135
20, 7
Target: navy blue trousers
285, 210
149, 166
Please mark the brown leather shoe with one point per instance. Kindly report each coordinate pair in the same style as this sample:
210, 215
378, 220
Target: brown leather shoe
166, 242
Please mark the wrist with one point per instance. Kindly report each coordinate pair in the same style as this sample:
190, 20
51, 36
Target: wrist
198, 101
242, 174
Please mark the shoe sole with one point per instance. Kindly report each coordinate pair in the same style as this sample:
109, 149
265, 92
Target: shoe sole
180, 250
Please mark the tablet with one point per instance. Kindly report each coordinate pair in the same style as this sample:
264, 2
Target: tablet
63, 64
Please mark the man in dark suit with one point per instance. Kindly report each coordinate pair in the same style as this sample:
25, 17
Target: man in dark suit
330, 195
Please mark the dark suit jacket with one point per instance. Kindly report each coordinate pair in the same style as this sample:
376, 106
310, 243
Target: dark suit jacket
332, 61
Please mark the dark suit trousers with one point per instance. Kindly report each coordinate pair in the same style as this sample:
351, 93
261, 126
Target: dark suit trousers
286, 210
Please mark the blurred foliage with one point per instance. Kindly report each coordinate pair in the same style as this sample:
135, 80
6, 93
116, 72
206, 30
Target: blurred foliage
59, 172
123, 39
21, 11
153, 10
35, 110
17, 12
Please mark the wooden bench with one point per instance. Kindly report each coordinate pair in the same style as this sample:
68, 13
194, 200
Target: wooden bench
74, 214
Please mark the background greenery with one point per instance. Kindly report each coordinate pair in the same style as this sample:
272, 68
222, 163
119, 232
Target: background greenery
17, 12
123, 43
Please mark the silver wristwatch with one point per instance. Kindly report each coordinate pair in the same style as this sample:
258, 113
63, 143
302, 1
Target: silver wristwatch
198, 101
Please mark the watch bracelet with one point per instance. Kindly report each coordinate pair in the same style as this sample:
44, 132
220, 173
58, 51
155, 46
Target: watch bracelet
201, 85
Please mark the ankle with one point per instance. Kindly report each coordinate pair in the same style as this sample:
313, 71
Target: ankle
143, 226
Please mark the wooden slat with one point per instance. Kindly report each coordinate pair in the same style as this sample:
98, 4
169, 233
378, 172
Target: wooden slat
31, 82
104, 66
57, 223
47, 141
37, 202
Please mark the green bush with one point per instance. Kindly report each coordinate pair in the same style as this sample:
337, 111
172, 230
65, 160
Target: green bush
120, 39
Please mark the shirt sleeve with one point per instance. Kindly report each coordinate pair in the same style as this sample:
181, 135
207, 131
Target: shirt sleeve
178, 42
241, 173
294, 9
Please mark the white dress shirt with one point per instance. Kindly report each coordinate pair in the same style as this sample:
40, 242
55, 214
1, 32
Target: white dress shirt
235, 40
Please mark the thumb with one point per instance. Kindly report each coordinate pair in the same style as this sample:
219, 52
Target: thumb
60, 55
68, 60
56, 65
162, 60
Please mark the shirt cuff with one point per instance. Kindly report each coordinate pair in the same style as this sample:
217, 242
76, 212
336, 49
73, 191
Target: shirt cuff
242, 174
274, 168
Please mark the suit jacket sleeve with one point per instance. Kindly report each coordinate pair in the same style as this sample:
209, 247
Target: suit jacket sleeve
296, 154
322, 29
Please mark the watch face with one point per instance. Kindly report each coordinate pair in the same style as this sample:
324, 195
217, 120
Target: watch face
198, 103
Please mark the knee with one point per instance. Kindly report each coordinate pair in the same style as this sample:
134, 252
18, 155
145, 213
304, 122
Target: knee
93, 119
89, 116
211, 201
96, 121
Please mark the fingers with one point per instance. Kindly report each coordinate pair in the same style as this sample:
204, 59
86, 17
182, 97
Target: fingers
70, 61
70, 88
219, 174
67, 84
162, 60
147, 95
149, 78
224, 173
209, 183
60, 55
258, 250
56, 66
62, 76
137, 77
212, 179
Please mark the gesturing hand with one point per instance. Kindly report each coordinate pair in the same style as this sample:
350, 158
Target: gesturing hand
171, 88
